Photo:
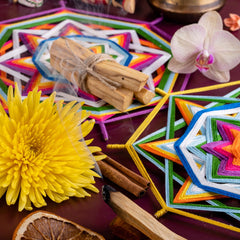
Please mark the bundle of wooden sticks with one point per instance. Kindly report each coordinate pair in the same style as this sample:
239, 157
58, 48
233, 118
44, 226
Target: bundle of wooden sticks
102, 77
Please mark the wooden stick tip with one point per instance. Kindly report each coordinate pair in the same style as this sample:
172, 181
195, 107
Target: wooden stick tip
106, 192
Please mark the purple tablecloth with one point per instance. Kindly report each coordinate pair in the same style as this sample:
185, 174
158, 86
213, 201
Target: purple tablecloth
93, 212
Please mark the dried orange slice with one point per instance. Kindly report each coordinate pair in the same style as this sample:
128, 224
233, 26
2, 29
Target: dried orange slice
42, 225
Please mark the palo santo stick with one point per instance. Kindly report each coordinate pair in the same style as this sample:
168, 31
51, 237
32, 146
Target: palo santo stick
134, 215
129, 78
134, 177
120, 98
124, 230
144, 96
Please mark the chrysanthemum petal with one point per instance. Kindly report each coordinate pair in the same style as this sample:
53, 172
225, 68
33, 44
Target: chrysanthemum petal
28, 205
16, 180
2, 191
78, 107
10, 94
88, 141
226, 50
39, 199
59, 197
86, 127
66, 109
31, 102
22, 202
42, 151
82, 193
49, 193
12, 194
90, 173
182, 67
187, 42
99, 157
2, 111
84, 115
92, 188
94, 149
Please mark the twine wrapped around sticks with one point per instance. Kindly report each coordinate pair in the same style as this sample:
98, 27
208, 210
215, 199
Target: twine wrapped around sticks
84, 67
97, 74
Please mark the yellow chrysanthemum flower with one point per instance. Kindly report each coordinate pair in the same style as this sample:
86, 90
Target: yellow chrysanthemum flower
42, 151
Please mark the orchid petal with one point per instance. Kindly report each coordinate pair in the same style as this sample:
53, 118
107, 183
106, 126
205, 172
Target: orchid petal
216, 75
211, 21
182, 67
226, 50
187, 42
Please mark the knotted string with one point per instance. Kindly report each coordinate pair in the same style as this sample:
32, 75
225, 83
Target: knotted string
85, 67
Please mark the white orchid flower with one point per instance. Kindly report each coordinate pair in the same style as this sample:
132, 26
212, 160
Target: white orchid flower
205, 46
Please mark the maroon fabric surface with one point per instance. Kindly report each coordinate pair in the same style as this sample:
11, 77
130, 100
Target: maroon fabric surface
93, 212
